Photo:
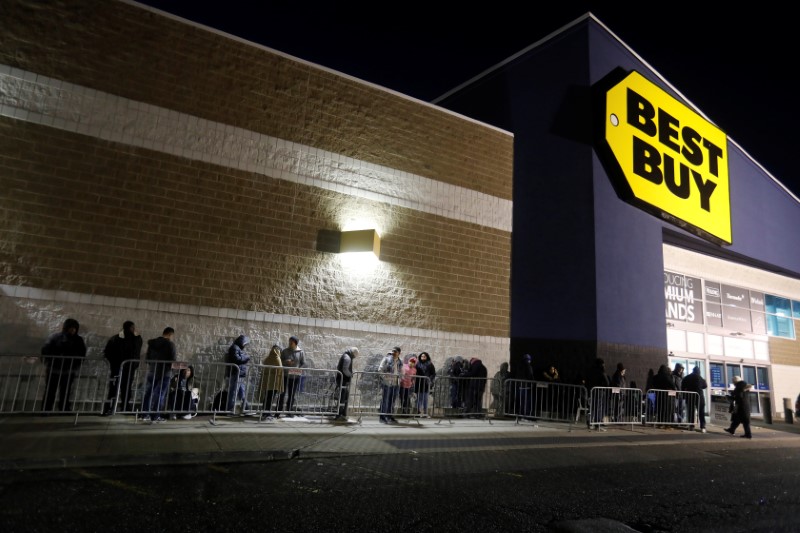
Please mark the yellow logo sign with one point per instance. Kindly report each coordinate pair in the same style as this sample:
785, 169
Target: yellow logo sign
674, 161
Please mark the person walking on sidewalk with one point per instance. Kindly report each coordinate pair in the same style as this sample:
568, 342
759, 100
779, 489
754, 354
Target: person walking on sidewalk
161, 355
122, 347
740, 408
343, 377
293, 359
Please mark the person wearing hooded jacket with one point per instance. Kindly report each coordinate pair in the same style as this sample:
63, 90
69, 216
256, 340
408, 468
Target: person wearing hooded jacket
740, 408
475, 387
271, 382
665, 404
124, 346
66, 351
236, 375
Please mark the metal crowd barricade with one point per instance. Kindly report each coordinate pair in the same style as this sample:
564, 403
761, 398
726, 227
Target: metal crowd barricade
466, 397
379, 394
317, 395
541, 400
52, 384
210, 379
670, 408
614, 406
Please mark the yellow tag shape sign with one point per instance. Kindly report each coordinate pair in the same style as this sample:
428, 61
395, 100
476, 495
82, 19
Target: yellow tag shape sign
674, 163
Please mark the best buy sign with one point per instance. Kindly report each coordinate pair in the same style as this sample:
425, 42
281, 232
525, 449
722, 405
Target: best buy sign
674, 162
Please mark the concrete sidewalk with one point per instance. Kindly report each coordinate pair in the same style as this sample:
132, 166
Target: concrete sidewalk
28, 442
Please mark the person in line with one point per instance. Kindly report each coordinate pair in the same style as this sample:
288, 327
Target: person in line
475, 385
407, 385
63, 354
124, 346
598, 400
237, 355
391, 368
618, 380
694, 382
740, 407
293, 360
549, 397
680, 404
271, 383
498, 390
426, 373
161, 355
525, 397
665, 404
456, 370
343, 378
183, 397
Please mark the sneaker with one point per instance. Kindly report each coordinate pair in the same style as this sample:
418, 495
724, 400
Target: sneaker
393, 421
187, 417
384, 420
746, 436
728, 430
173, 417
703, 430
158, 420
146, 418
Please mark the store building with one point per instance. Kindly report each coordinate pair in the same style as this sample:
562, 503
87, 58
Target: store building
568, 203
642, 233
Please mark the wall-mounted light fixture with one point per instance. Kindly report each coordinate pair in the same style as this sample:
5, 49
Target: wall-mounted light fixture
343, 242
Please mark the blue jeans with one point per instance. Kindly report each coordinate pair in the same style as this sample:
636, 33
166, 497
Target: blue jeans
387, 400
235, 391
156, 387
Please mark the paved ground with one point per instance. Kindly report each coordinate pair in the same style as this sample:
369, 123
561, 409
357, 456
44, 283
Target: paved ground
64, 441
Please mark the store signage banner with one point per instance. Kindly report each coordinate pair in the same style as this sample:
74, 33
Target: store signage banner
664, 157
683, 298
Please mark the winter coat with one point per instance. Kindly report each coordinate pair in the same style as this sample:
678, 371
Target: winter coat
425, 369
65, 345
161, 349
272, 378
238, 356
124, 346
293, 361
345, 368
741, 401
663, 379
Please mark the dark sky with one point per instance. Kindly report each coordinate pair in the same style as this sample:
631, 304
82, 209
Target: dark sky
736, 65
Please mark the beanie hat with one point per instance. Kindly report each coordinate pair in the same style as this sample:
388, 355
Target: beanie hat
354, 351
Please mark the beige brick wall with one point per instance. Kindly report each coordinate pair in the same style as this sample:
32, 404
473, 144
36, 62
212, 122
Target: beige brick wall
131, 52
86, 218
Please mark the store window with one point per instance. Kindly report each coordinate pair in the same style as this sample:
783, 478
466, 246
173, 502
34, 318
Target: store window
779, 316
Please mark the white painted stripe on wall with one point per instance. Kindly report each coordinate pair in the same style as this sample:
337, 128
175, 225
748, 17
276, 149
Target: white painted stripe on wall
50, 102
32, 293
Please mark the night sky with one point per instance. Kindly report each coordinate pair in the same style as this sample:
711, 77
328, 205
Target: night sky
736, 65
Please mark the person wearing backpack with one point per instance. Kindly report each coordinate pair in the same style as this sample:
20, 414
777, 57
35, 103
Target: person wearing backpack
160, 356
